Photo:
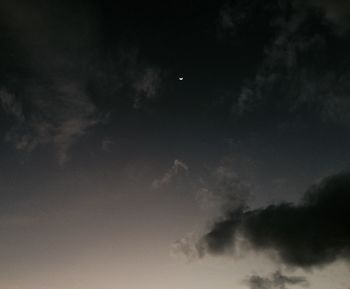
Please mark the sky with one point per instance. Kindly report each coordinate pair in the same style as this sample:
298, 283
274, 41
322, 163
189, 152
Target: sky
189, 144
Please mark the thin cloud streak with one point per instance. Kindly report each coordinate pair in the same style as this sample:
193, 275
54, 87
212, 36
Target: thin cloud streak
177, 168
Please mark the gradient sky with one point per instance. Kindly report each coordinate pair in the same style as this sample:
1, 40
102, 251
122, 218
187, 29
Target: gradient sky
116, 174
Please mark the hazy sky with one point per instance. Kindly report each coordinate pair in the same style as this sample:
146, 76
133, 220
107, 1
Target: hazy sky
185, 144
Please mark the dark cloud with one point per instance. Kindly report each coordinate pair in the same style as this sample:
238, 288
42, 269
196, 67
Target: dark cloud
277, 280
311, 233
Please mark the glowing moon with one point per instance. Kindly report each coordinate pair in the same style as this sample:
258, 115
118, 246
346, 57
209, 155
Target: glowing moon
181, 78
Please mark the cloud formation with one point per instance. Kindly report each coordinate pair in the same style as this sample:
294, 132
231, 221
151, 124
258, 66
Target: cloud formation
336, 11
146, 85
187, 247
142, 80
57, 115
300, 68
232, 15
11, 105
176, 169
310, 234
226, 186
56, 101
277, 280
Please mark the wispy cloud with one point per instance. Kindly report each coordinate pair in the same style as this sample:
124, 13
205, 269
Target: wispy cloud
223, 188
146, 85
106, 144
177, 168
188, 247
142, 80
11, 105
289, 78
233, 14
57, 115
54, 104
336, 11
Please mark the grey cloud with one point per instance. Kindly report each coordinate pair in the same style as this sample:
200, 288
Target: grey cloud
337, 11
188, 247
106, 144
277, 280
257, 282
58, 110
233, 15
224, 188
142, 80
176, 169
51, 103
146, 85
309, 234
57, 115
244, 101
227, 185
325, 94
294, 74
68, 133
11, 105
226, 20
329, 93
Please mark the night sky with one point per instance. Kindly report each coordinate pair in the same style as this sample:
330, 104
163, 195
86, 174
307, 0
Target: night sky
185, 144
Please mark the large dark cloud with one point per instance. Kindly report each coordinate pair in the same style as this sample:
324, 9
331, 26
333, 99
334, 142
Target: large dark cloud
314, 232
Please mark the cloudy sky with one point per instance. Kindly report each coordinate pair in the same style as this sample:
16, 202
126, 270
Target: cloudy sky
188, 144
